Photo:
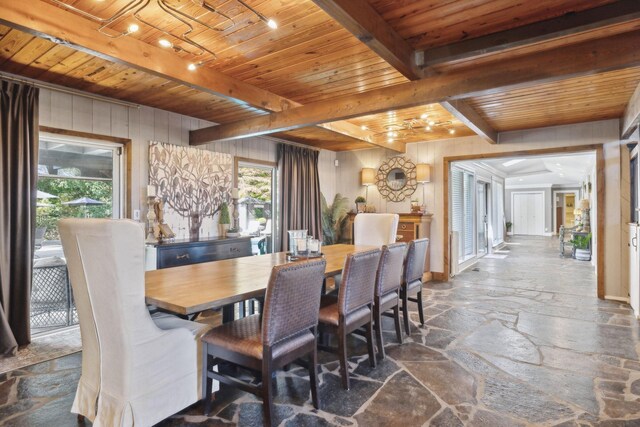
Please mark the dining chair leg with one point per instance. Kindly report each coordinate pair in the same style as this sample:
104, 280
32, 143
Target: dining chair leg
396, 318
405, 311
207, 382
378, 327
342, 355
313, 377
267, 390
420, 309
370, 345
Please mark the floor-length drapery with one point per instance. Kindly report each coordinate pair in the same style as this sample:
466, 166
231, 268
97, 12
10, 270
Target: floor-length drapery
18, 177
299, 192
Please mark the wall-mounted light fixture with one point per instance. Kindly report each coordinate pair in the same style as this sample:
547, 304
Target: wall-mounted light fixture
367, 178
423, 175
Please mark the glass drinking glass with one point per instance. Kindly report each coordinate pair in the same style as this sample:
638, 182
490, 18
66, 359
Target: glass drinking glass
293, 235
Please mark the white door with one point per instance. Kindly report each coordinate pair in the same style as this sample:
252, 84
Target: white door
528, 214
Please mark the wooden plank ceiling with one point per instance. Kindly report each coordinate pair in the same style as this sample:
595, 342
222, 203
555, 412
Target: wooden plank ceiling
311, 57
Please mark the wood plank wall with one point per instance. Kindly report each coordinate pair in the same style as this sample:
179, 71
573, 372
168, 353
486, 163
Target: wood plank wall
602, 132
141, 125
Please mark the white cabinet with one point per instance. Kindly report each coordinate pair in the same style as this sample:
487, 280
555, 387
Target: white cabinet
634, 269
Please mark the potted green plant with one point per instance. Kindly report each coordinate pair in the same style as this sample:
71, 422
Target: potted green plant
361, 204
508, 225
224, 220
334, 219
581, 244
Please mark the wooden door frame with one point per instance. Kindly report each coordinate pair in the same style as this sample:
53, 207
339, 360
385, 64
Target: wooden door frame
513, 193
600, 195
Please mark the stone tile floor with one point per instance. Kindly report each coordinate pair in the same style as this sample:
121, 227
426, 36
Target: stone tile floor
521, 341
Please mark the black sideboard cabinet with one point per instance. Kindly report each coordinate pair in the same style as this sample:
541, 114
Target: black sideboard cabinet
185, 252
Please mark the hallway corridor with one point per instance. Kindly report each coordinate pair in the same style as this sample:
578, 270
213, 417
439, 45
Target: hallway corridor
521, 341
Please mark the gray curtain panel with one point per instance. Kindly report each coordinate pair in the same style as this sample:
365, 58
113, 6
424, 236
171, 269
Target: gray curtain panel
299, 192
18, 178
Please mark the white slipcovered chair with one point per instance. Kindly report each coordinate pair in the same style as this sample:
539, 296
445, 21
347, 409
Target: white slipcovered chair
375, 229
136, 370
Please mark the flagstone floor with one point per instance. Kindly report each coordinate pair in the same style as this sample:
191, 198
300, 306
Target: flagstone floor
520, 341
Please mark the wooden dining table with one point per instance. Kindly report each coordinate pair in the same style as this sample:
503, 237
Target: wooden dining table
191, 289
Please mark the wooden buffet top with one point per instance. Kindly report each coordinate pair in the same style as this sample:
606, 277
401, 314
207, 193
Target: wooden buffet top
197, 287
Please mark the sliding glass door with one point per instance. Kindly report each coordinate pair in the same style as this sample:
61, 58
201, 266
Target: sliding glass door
76, 179
463, 195
482, 214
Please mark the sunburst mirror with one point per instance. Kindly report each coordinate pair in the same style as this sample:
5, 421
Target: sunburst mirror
396, 179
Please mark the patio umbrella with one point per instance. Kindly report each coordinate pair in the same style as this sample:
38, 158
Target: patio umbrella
84, 202
44, 195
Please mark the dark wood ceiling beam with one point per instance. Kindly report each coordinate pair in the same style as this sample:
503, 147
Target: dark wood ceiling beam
44, 20
471, 119
631, 117
572, 23
362, 20
605, 54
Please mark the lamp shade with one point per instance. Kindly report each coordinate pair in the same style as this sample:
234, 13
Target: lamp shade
423, 172
584, 204
368, 176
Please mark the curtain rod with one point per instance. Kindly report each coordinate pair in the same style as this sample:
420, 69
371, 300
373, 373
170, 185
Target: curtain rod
62, 89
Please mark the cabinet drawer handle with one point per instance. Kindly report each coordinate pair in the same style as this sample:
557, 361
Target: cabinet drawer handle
403, 226
232, 249
399, 237
185, 256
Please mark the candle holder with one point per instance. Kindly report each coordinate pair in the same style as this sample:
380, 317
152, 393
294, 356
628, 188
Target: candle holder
236, 213
151, 220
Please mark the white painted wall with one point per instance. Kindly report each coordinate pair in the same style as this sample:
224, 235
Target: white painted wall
602, 132
74, 112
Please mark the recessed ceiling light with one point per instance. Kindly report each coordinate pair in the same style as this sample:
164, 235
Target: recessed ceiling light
428, 128
132, 28
431, 123
512, 162
389, 134
165, 43
364, 127
272, 24
557, 164
390, 140
520, 179
424, 116
452, 131
192, 67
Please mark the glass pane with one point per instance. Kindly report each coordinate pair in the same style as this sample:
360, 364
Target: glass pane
255, 206
481, 218
77, 181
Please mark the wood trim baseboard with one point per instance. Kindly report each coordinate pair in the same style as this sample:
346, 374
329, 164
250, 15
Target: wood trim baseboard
436, 275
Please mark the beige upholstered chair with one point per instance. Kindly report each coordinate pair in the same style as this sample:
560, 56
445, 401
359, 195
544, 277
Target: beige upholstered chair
134, 371
412, 279
353, 307
387, 289
375, 229
285, 333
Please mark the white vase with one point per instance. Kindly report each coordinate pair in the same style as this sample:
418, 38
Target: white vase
583, 254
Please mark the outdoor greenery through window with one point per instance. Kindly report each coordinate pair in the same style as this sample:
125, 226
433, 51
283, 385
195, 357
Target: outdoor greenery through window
255, 206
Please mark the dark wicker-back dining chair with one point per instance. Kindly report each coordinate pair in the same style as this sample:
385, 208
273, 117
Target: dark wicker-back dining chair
412, 279
353, 307
286, 332
387, 290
